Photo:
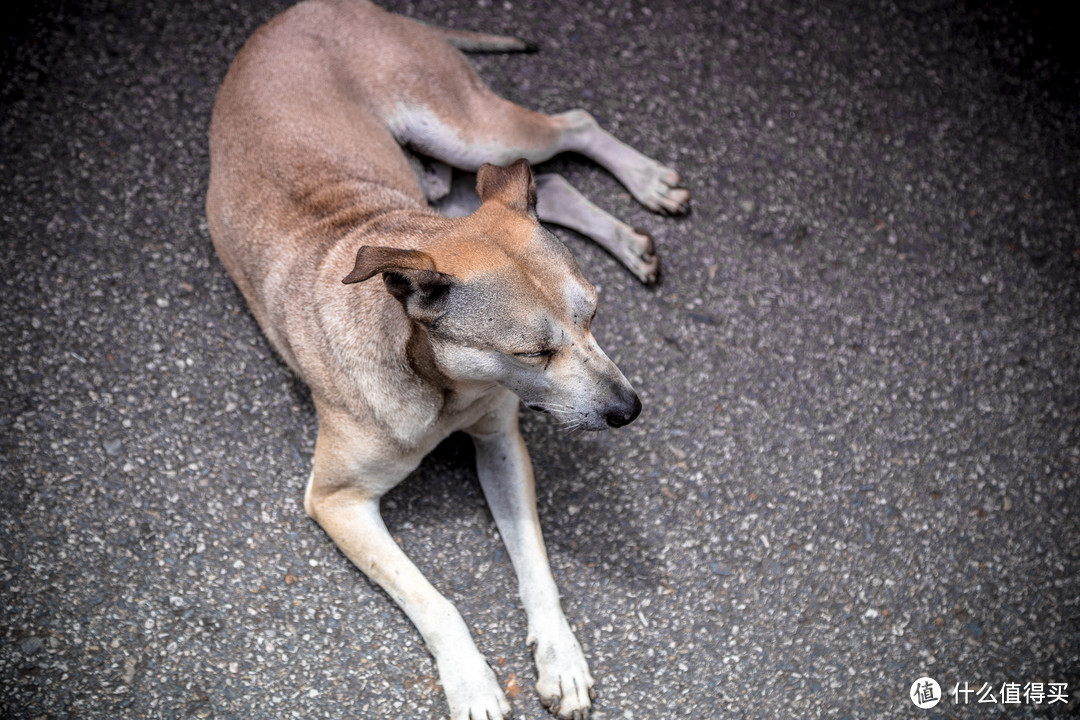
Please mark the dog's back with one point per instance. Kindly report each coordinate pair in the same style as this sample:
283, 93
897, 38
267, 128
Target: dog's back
300, 149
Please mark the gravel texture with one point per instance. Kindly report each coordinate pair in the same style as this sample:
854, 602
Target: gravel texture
858, 460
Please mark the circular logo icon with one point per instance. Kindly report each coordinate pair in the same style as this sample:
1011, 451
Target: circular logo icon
925, 693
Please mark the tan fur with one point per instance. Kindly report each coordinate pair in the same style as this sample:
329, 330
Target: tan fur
311, 194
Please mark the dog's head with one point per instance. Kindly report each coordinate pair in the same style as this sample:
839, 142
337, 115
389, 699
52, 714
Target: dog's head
502, 300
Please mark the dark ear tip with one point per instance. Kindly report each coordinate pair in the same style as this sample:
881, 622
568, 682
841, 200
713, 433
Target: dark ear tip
513, 185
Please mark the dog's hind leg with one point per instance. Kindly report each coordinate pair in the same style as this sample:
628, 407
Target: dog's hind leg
558, 202
500, 132
454, 117
652, 184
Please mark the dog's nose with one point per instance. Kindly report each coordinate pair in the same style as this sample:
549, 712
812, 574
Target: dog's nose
624, 410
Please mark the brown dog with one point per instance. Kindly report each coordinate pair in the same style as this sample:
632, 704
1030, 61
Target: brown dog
309, 184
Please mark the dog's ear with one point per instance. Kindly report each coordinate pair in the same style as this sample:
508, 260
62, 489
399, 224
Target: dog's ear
409, 275
372, 260
512, 185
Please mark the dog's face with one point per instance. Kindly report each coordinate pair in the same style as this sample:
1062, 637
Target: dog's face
527, 325
505, 302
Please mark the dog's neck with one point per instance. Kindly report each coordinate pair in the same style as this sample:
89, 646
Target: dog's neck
421, 358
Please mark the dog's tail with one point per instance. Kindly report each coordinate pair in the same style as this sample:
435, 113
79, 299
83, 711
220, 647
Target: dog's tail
477, 42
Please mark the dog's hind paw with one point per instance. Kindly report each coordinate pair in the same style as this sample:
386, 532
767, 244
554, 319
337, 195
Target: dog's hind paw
659, 189
641, 259
564, 683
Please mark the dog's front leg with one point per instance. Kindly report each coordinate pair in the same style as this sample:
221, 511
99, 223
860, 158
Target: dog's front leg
502, 462
351, 517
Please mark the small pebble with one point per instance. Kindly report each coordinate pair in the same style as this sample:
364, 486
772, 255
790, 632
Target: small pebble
31, 645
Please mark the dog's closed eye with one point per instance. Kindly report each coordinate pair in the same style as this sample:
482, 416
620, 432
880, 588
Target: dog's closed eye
535, 354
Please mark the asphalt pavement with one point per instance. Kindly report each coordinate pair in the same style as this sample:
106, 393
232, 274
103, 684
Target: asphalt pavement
859, 458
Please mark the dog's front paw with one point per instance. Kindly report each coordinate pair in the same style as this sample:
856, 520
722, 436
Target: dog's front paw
473, 692
563, 679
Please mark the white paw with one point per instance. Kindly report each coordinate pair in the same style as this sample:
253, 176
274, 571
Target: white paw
658, 188
473, 692
563, 679
641, 257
